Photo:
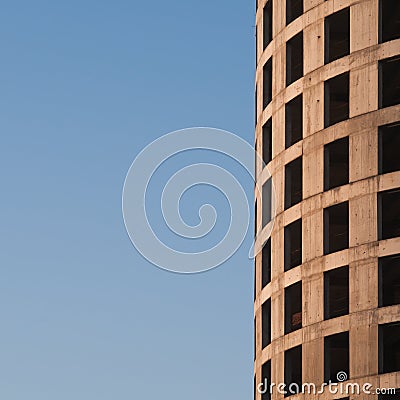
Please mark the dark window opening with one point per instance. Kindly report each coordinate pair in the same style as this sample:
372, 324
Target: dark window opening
266, 202
266, 381
389, 82
266, 323
294, 58
389, 20
389, 348
266, 263
336, 292
294, 121
267, 83
389, 281
294, 8
255, 337
337, 35
255, 157
336, 354
267, 141
389, 214
255, 108
255, 220
255, 284
336, 163
293, 307
293, 182
267, 20
293, 245
389, 145
293, 370
336, 99
336, 228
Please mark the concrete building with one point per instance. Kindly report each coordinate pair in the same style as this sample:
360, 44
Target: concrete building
327, 281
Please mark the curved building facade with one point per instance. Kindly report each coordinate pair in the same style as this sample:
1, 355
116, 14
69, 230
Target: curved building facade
327, 281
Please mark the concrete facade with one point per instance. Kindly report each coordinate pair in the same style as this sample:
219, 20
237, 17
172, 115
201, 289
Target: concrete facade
361, 192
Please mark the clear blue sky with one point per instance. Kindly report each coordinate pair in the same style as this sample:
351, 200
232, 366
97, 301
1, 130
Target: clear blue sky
85, 85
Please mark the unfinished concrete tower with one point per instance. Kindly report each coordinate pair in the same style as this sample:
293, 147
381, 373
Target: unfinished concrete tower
327, 290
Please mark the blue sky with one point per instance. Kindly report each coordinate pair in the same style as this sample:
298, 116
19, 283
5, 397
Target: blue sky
85, 85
